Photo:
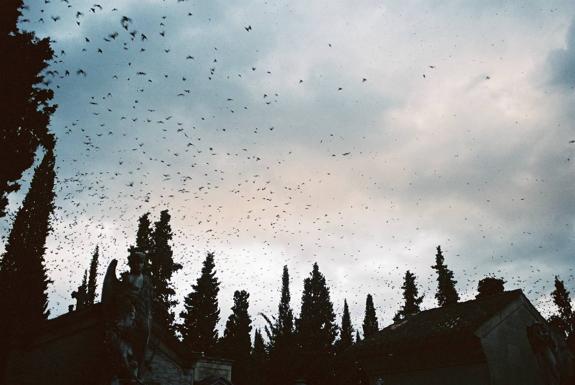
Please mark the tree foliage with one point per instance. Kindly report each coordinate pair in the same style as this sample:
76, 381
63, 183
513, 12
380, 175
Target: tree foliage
92, 286
259, 359
489, 286
201, 313
156, 244
411, 298
316, 330
345, 331
281, 335
26, 105
370, 324
446, 293
23, 277
236, 342
564, 320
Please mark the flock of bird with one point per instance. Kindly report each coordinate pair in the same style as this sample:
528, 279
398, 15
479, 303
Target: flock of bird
158, 108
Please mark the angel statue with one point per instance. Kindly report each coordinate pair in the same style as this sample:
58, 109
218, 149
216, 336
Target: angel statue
127, 304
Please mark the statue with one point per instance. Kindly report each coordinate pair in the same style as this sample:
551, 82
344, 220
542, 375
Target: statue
127, 304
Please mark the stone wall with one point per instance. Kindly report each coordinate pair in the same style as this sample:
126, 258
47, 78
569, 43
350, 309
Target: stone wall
206, 367
165, 369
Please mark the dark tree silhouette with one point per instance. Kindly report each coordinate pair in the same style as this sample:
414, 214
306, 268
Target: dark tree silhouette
81, 294
489, 286
316, 330
446, 293
357, 336
23, 278
564, 320
285, 322
144, 241
161, 269
236, 343
282, 344
26, 107
347, 368
259, 359
92, 278
201, 313
411, 298
346, 330
370, 324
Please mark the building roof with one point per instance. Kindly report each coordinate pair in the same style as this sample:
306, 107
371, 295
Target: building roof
440, 336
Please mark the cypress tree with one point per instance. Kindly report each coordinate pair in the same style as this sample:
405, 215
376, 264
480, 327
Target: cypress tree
282, 345
370, 324
316, 330
161, 269
285, 313
23, 277
411, 298
201, 313
144, 241
92, 278
346, 330
259, 359
357, 337
26, 107
565, 319
81, 294
236, 342
446, 292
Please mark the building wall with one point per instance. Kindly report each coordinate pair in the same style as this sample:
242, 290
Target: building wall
211, 367
476, 374
164, 370
505, 344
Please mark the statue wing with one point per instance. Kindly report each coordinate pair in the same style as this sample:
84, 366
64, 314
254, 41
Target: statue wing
111, 283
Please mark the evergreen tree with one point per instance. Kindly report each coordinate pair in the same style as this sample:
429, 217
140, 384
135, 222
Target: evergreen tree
259, 359
346, 330
489, 286
357, 337
411, 298
370, 324
161, 269
285, 313
446, 292
92, 278
201, 313
23, 277
144, 241
565, 319
316, 330
236, 342
81, 294
26, 107
282, 345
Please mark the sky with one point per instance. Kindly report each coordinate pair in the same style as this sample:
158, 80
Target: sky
355, 134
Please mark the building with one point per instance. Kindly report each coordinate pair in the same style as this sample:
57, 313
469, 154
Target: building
497, 340
69, 350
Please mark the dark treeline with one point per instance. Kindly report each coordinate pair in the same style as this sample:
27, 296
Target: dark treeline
313, 347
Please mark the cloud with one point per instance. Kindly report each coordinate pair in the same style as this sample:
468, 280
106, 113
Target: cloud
270, 148
562, 62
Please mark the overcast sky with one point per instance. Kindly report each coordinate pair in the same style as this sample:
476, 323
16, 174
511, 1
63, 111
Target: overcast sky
358, 134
